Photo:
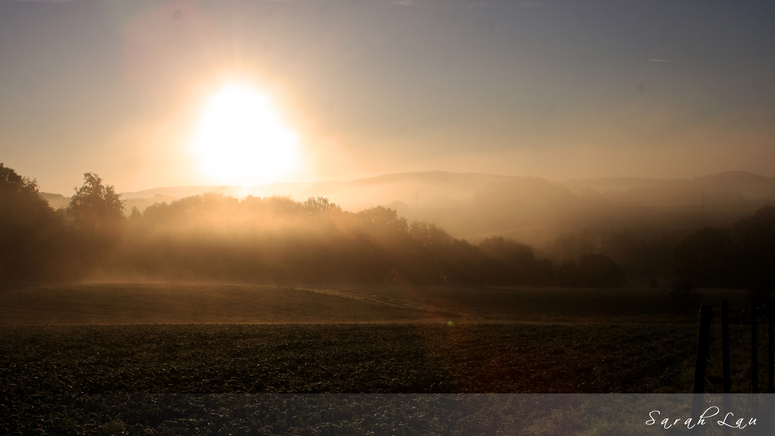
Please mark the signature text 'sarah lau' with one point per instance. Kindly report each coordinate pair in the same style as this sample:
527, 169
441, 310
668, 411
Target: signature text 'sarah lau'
728, 421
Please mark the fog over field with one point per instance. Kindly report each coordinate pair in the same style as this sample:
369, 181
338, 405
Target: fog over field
529, 209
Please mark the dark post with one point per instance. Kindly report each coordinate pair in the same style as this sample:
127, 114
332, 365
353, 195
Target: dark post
726, 374
725, 346
703, 345
754, 352
771, 311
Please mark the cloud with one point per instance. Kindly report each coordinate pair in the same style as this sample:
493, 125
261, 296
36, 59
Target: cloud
659, 60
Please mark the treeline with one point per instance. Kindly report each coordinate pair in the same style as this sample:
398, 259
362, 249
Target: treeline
646, 261
742, 256
213, 237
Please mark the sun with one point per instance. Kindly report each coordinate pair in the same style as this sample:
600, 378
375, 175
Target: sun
241, 139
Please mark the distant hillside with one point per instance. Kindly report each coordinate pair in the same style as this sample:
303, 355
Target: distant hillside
530, 209
729, 184
751, 186
181, 191
607, 184
422, 189
55, 200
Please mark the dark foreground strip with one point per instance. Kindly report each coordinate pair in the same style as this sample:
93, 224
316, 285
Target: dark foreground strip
394, 414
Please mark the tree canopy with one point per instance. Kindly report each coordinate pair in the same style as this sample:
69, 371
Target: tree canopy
18, 191
31, 233
95, 202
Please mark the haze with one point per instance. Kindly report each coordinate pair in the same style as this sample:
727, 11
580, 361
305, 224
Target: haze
549, 89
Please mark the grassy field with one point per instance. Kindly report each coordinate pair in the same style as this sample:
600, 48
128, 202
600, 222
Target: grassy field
87, 376
73, 358
213, 379
186, 304
214, 303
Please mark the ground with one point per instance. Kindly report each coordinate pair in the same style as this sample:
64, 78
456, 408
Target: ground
77, 356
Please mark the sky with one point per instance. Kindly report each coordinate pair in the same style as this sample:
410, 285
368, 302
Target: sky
552, 89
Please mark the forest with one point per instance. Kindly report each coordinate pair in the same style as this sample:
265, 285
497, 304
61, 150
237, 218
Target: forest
276, 240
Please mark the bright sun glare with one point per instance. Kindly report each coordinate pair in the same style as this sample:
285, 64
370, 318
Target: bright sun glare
241, 140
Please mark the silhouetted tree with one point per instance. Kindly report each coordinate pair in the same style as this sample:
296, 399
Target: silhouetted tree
571, 246
431, 253
510, 262
755, 250
136, 215
704, 259
638, 257
95, 203
316, 206
381, 222
32, 236
429, 236
97, 213
17, 192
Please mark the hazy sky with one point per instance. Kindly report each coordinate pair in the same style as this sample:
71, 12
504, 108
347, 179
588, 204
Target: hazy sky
551, 89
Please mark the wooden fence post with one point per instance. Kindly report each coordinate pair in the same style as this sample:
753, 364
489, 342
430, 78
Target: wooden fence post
703, 345
754, 352
727, 376
771, 311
